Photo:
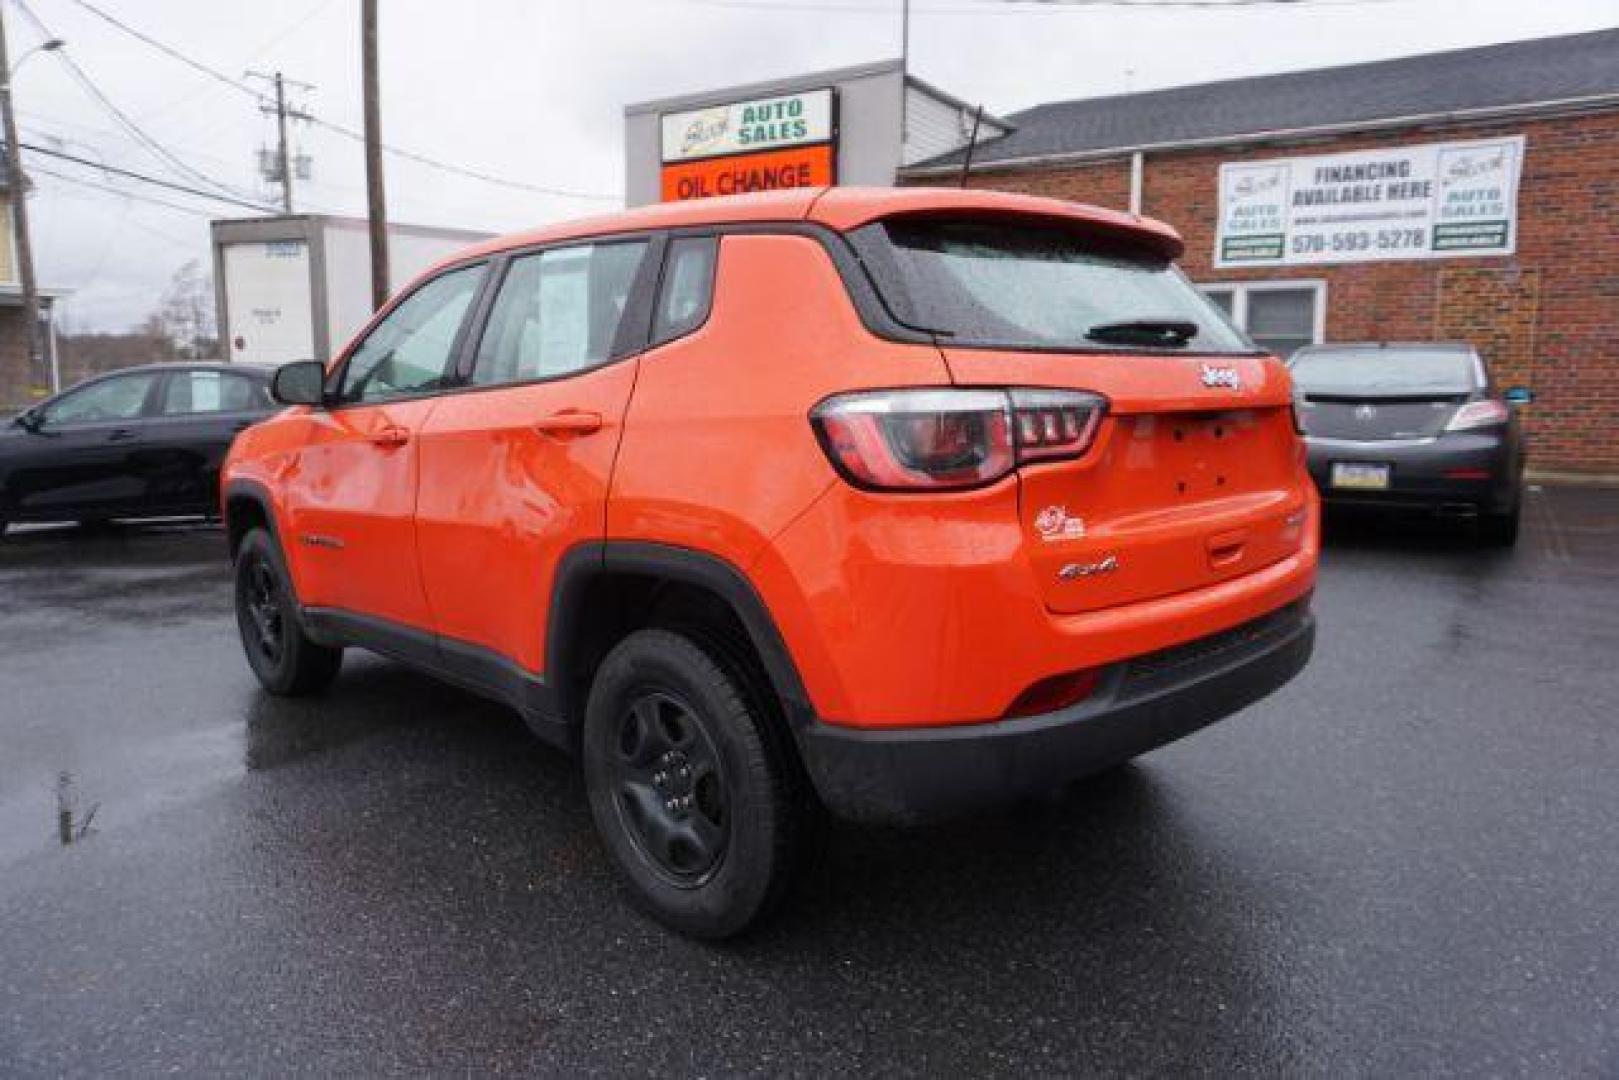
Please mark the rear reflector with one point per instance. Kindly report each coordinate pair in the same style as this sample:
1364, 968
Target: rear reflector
1467, 474
1057, 692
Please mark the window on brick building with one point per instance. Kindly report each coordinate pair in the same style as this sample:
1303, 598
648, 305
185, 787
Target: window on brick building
1280, 316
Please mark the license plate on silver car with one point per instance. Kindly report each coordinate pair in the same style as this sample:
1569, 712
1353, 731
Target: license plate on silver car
1359, 477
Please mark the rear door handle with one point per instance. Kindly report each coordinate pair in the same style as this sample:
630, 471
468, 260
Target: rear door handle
569, 422
390, 436
120, 435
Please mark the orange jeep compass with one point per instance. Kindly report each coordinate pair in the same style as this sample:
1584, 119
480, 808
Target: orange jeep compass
894, 503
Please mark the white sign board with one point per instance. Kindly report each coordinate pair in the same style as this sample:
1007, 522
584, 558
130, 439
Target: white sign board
1440, 200
748, 127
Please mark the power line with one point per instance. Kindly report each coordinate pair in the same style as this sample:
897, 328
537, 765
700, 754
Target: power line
1036, 4
133, 175
89, 86
137, 196
168, 51
348, 133
296, 25
1019, 7
460, 170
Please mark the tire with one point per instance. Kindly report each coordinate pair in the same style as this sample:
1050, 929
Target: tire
691, 794
1500, 530
287, 662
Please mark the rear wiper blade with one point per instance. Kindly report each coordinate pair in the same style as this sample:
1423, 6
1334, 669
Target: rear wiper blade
1160, 332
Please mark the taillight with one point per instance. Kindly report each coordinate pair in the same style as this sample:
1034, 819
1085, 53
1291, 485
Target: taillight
1477, 414
1052, 424
902, 440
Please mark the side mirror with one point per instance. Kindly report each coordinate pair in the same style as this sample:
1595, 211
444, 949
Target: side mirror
302, 382
1518, 395
28, 420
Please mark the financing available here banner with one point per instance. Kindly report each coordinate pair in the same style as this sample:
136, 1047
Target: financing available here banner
1439, 200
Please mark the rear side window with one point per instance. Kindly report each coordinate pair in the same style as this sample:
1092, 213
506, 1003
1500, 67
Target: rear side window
190, 392
557, 312
1013, 284
688, 287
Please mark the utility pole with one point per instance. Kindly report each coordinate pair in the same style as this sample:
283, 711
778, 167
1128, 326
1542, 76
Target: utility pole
904, 76
282, 112
39, 378
376, 201
281, 133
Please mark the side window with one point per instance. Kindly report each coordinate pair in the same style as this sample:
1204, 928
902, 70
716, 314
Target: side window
1279, 317
118, 398
688, 287
558, 312
190, 392
1282, 320
409, 351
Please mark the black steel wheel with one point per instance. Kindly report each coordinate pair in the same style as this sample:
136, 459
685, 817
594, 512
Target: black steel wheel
280, 653
262, 601
671, 788
689, 785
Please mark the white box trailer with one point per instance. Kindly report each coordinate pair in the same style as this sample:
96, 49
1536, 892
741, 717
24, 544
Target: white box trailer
298, 287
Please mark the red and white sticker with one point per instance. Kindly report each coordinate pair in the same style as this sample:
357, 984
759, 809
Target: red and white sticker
1055, 523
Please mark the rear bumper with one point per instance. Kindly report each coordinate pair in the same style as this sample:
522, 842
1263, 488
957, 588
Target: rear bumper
1422, 472
917, 774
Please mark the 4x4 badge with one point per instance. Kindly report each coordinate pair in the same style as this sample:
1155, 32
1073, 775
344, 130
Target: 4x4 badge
1215, 377
1078, 570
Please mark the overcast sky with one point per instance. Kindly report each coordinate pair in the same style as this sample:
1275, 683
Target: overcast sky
533, 90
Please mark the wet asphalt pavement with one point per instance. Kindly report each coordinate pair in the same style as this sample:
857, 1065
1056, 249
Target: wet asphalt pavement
1406, 861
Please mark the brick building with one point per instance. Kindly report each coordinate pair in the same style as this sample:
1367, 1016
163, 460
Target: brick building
1357, 183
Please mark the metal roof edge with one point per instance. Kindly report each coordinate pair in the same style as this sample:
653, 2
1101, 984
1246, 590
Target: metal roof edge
236, 227
791, 84
1529, 110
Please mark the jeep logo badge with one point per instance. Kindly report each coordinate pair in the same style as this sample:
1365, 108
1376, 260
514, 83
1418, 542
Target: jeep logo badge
1216, 377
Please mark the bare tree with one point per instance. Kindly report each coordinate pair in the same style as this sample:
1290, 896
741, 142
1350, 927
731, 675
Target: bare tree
184, 320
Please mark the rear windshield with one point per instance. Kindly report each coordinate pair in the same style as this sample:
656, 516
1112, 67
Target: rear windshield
1019, 285
1386, 371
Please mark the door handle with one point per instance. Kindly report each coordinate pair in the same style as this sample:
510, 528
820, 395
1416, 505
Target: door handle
569, 422
390, 436
120, 435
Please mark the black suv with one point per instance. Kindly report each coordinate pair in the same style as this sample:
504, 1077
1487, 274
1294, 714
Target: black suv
141, 442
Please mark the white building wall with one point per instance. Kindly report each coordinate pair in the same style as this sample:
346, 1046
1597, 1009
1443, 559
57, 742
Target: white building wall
348, 270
